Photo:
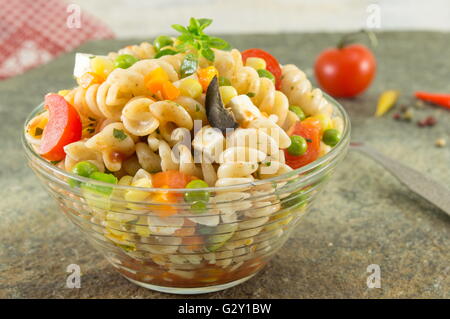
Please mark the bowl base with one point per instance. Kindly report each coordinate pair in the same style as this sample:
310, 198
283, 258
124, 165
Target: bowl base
190, 291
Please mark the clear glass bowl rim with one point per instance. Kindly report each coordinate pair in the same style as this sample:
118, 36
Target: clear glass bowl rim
327, 158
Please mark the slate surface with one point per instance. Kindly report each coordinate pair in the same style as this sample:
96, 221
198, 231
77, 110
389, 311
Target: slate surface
363, 217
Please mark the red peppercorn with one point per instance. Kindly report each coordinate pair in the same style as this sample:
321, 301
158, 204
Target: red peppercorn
421, 123
430, 121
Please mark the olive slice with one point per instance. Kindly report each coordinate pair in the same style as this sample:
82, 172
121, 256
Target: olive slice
217, 115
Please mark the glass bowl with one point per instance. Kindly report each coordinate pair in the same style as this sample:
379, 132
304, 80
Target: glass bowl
228, 242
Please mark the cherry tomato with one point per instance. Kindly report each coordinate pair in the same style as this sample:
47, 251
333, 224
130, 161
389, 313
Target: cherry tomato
63, 127
345, 72
272, 64
310, 130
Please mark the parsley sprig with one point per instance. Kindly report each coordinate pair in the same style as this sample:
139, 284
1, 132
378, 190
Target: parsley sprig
193, 37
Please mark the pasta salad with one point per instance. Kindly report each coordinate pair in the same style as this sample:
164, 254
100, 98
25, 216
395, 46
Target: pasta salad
187, 113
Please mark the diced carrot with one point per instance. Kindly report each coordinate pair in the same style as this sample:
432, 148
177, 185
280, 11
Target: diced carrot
171, 179
206, 75
89, 78
170, 91
163, 198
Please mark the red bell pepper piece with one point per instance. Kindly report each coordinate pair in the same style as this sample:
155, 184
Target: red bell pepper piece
63, 127
436, 98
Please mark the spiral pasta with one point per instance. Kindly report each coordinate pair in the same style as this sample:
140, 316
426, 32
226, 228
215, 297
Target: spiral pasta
146, 66
137, 118
299, 91
141, 51
114, 149
78, 151
147, 159
247, 81
170, 116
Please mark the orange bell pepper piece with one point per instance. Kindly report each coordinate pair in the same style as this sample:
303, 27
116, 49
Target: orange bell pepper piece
206, 75
155, 79
171, 179
170, 91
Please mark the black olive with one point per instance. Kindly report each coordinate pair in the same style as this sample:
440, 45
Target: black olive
217, 115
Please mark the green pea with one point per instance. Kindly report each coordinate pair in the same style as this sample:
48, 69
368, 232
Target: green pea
124, 61
196, 196
298, 145
266, 74
84, 169
331, 137
102, 177
162, 41
199, 207
223, 81
298, 111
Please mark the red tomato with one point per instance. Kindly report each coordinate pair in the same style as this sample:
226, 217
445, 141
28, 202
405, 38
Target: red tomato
311, 132
272, 64
347, 71
63, 127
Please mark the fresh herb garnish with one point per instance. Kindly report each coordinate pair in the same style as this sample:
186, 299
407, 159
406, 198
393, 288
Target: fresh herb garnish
251, 94
309, 140
193, 38
165, 52
189, 65
119, 134
38, 131
55, 162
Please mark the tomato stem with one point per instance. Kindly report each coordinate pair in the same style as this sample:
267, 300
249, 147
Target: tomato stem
351, 37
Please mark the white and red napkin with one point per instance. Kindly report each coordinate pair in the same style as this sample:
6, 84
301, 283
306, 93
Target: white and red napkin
32, 32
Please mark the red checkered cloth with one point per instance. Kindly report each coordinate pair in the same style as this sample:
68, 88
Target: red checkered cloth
32, 32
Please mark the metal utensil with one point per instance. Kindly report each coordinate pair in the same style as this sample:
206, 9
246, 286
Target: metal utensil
417, 182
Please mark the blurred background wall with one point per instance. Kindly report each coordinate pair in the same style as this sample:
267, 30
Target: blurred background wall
143, 18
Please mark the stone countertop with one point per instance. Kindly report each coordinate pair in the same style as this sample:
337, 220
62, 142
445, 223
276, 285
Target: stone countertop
364, 216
